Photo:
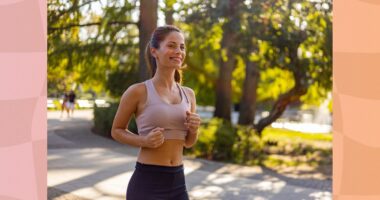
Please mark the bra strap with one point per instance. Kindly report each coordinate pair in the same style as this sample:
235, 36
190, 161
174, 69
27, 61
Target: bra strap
184, 93
151, 92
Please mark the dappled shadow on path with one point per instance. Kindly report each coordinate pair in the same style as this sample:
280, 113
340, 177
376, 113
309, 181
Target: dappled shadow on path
90, 166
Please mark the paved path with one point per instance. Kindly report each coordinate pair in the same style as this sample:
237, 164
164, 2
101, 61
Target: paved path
84, 166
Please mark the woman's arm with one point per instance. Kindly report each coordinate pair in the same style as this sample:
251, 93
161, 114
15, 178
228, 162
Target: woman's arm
128, 105
193, 120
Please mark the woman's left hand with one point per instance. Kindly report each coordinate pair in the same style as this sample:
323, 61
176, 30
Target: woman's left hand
193, 121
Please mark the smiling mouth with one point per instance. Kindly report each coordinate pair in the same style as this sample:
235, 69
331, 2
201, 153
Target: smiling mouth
176, 59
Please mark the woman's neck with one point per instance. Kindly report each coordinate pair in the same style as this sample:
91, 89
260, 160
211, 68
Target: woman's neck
164, 78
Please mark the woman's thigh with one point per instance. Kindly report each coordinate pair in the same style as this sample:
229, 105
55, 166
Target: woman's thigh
149, 186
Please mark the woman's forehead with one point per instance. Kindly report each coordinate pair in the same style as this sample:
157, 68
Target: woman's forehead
175, 37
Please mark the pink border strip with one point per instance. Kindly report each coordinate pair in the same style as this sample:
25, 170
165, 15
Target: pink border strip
23, 99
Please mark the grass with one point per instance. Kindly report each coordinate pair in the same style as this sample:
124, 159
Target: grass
286, 148
275, 134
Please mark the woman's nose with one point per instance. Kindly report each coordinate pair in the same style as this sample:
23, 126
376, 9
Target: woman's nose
178, 50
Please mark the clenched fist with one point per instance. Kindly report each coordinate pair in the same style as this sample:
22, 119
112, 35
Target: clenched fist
193, 121
154, 139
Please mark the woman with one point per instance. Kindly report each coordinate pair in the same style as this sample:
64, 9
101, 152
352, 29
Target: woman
166, 121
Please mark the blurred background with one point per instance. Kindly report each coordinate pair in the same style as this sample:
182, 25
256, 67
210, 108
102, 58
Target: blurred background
261, 72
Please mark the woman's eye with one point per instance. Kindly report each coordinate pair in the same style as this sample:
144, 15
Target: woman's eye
174, 47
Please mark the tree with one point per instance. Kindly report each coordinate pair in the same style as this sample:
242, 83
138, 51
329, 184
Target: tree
169, 11
212, 15
247, 108
100, 47
147, 24
301, 44
227, 60
291, 37
252, 28
85, 46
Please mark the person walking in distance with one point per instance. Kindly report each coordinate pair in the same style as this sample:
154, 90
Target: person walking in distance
65, 98
71, 102
166, 121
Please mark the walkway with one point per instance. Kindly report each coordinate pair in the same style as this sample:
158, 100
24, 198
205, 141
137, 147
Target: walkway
83, 166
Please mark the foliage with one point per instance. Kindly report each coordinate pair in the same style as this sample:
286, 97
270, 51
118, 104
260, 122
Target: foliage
248, 147
273, 83
219, 140
93, 45
217, 136
104, 56
290, 40
85, 46
103, 119
119, 80
301, 28
201, 72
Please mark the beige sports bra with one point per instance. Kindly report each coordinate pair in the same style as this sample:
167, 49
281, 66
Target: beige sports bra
158, 113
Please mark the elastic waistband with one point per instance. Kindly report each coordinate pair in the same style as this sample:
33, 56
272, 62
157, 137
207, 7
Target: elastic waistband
158, 168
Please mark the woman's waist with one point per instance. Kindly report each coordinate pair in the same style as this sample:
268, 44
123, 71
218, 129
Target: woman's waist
169, 147
169, 153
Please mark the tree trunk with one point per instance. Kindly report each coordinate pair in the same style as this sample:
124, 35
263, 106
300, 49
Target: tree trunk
169, 11
147, 24
248, 100
223, 85
224, 88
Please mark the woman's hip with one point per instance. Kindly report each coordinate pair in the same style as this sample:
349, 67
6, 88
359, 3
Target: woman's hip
157, 182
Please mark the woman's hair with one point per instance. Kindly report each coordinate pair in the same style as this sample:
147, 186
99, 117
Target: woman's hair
158, 36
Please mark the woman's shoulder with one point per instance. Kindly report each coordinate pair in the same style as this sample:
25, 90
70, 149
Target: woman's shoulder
135, 90
189, 91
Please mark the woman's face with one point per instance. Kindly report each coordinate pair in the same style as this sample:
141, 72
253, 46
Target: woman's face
171, 52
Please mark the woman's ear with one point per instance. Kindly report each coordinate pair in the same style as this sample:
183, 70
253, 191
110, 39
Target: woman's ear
153, 52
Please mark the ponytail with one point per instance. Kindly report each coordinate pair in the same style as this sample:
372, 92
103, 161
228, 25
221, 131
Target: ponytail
150, 60
178, 76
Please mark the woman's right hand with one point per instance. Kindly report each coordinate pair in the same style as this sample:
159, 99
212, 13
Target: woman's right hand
154, 139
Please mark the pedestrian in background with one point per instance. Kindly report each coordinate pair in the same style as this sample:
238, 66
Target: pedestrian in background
65, 99
71, 102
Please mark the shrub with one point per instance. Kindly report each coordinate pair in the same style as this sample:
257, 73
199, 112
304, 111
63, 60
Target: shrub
248, 147
219, 140
206, 140
103, 119
224, 141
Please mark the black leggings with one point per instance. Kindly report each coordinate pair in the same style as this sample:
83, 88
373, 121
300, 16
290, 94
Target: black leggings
154, 182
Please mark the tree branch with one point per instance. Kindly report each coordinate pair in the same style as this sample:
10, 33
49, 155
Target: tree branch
68, 11
69, 26
293, 95
279, 107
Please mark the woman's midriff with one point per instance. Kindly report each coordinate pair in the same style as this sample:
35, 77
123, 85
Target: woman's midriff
168, 154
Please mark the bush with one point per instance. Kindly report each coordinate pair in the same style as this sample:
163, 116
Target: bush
57, 104
219, 140
103, 119
215, 140
248, 148
224, 142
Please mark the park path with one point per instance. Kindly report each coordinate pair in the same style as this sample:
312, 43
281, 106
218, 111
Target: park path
82, 165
